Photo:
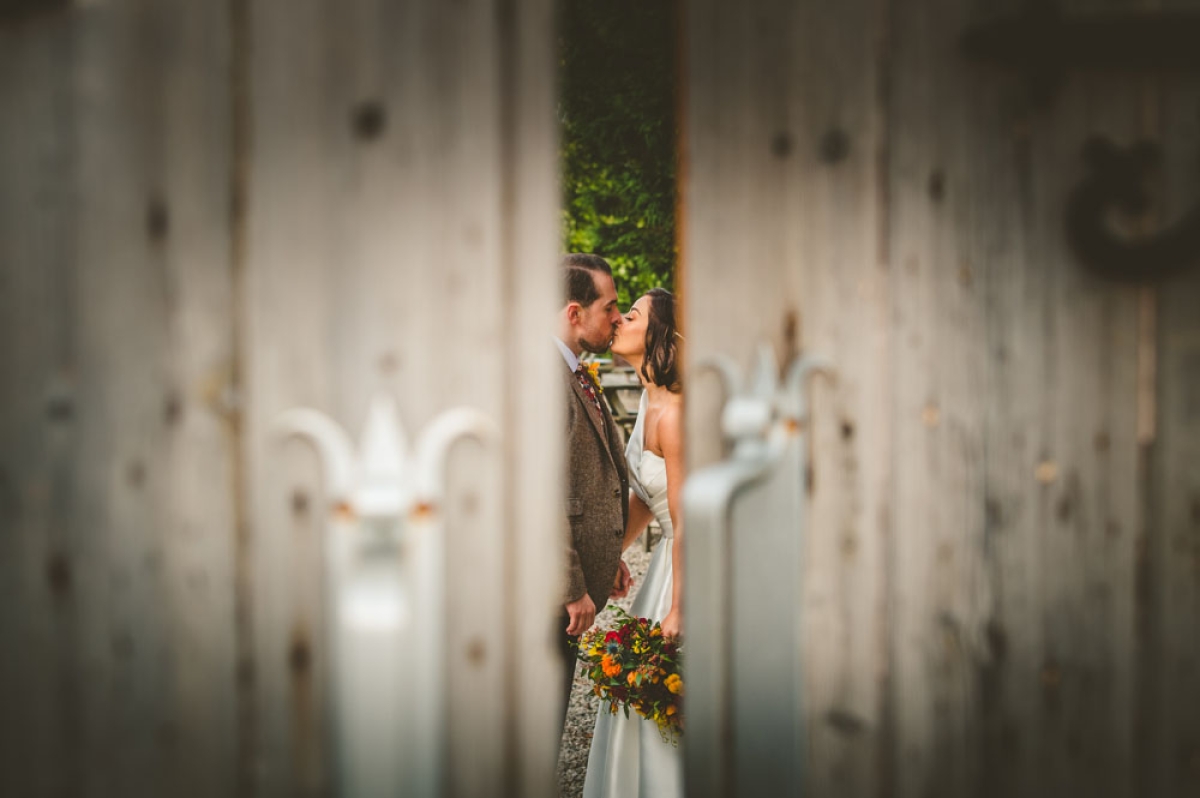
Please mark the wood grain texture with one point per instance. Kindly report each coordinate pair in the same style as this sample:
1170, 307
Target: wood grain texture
392, 239
211, 215
129, 527
784, 135
530, 292
978, 595
37, 569
1169, 549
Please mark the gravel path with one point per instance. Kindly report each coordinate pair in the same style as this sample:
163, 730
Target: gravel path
581, 715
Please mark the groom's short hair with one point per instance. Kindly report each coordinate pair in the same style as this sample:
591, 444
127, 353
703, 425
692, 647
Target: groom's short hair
579, 276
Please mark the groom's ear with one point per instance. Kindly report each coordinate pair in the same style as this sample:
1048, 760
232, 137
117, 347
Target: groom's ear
574, 309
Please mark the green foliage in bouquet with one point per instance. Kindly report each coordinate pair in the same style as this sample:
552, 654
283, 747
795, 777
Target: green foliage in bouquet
633, 665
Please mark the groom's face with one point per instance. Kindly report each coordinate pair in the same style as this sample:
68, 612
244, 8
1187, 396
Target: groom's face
598, 321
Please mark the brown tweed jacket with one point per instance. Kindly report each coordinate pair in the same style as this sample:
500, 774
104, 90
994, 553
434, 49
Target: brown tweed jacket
597, 501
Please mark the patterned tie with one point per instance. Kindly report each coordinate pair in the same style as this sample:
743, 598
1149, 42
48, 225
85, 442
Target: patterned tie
589, 387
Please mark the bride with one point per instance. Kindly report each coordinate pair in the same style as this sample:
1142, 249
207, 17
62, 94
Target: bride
628, 757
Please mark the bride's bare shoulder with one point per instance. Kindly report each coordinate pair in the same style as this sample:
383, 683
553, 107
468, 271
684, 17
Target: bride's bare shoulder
669, 427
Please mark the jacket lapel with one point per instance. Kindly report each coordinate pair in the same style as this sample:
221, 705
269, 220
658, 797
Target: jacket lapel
615, 448
585, 405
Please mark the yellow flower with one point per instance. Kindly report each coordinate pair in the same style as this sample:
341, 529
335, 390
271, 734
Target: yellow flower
656, 632
674, 683
593, 370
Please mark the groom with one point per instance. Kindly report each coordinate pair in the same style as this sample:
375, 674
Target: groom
597, 487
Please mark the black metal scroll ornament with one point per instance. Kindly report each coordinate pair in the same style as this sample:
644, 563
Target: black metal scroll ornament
1116, 181
1041, 45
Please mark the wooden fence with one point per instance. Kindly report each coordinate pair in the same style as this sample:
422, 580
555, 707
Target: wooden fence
1002, 558
212, 213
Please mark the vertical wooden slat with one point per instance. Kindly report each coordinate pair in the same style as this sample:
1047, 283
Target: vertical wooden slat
736, 77
1173, 549
937, 594
782, 200
1169, 554
529, 294
152, 510
834, 155
1017, 285
127, 528
1061, 505
120, 388
37, 564
288, 345
198, 732
731, 122
400, 219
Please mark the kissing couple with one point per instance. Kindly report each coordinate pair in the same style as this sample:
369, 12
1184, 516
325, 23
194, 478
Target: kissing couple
613, 491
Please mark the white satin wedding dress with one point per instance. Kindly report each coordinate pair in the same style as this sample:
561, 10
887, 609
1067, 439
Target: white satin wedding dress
629, 758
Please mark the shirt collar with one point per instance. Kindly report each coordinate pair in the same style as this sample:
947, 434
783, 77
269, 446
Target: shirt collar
568, 355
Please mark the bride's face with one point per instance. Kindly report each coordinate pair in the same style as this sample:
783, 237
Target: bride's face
630, 340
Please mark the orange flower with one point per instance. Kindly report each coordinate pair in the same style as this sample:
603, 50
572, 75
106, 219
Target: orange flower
674, 683
610, 666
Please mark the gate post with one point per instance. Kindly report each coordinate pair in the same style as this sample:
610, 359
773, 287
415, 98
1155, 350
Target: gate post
745, 522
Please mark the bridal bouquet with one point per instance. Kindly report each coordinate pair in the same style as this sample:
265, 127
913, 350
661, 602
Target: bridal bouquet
633, 665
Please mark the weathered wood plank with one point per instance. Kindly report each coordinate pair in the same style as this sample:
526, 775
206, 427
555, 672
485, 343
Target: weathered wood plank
737, 77
124, 475
1062, 498
1169, 553
733, 79
389, 212
38, 600
530, 293
198, 732
152, 490
938, 593
288, 344
999, 560
782, 203
1173, 550
834, 215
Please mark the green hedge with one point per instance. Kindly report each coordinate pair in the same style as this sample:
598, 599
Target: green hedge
618, 113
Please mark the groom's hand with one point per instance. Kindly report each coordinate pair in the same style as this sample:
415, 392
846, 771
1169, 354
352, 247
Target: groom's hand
582, 613
623, 581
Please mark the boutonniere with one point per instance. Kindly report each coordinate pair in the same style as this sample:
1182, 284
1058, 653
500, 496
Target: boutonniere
593, 371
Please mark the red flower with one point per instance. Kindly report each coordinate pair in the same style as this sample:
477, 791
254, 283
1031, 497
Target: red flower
612, 637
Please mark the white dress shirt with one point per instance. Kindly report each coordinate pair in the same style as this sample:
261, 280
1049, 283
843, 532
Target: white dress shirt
568, 355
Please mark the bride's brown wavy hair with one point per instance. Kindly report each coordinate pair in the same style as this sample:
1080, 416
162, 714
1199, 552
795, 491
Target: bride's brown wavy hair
661, 363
